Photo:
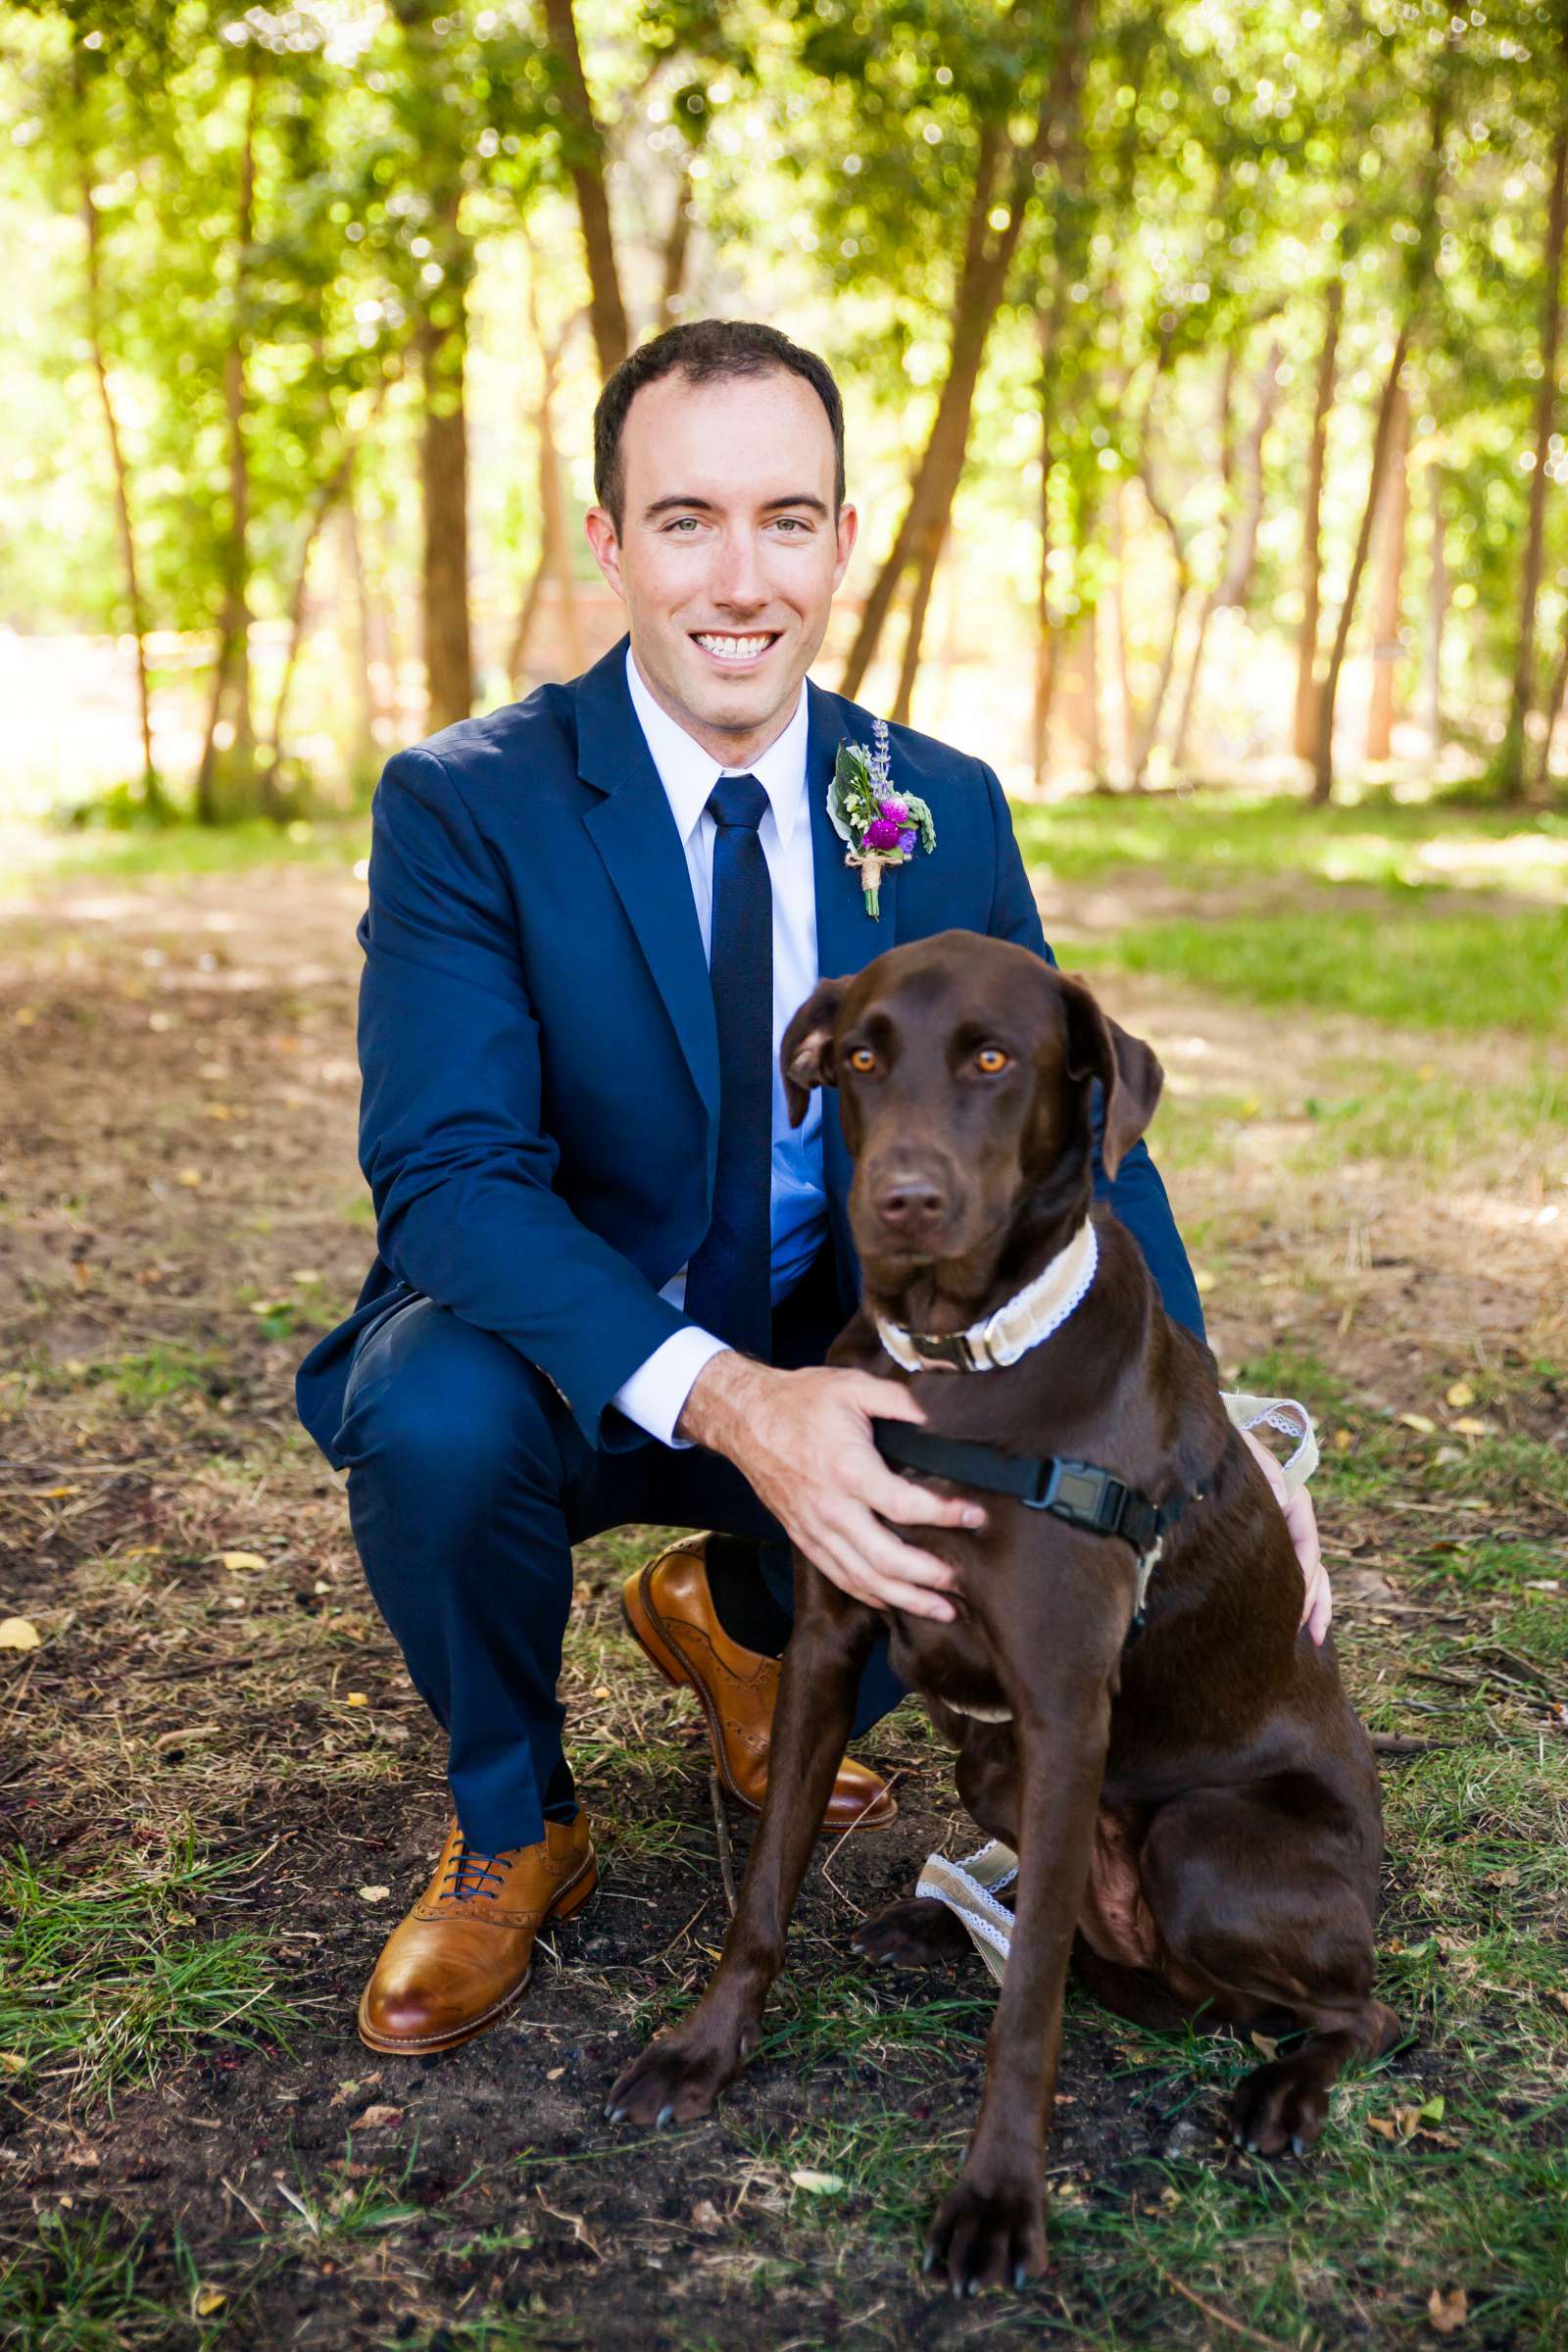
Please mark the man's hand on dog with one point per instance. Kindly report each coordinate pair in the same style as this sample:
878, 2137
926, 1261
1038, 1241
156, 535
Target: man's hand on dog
1302, 1520
803, 1441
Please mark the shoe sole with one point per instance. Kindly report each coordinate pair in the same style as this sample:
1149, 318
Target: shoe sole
566, 1904
647, 1638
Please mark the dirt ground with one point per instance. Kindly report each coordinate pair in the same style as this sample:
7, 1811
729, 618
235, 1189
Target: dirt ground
180, 1213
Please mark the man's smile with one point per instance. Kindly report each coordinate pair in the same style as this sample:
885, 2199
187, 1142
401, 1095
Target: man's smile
732, 648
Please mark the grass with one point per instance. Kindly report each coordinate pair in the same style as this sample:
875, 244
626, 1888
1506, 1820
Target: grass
1414, 967
165, 853
105, 1983
1225, 838
1365, 1209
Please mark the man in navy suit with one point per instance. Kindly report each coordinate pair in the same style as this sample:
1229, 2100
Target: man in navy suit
607, 1269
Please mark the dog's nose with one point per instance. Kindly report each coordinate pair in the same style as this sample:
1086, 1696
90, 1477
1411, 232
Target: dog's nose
910, 1205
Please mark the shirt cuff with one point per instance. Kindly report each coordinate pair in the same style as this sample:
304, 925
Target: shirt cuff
657, 1392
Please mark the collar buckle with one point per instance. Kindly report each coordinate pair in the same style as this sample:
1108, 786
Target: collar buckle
1082, 1494
956, 1351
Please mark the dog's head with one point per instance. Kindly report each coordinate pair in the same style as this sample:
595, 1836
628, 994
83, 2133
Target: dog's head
964, 1067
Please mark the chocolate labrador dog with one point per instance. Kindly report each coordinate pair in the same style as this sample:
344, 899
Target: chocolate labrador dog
1196, 1810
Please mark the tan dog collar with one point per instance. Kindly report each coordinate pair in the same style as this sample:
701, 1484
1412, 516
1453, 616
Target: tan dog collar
1020, 1323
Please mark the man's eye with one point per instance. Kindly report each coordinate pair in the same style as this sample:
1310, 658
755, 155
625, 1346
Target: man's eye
684, 522
862, 1059
991, 1059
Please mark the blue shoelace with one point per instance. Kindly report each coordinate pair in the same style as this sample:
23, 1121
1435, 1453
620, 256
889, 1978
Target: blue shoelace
467, 1870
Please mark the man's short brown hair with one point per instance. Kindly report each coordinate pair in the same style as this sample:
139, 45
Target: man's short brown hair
703, 350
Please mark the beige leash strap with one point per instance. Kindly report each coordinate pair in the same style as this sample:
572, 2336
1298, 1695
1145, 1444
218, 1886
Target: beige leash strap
1284, 1414
970, 1888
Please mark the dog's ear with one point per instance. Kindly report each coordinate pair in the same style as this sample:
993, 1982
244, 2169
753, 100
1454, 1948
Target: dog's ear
806, 1051
1129, 1075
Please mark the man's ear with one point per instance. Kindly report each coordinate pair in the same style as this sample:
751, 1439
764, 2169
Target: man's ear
1129, 1075
805, 1055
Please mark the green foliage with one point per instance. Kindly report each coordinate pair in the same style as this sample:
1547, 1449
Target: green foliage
107, 1978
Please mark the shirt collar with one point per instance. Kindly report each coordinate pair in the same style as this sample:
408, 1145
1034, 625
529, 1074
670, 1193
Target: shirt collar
689, 773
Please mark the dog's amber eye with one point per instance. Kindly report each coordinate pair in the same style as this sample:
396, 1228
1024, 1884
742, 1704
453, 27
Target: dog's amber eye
991, 1059
862, 1059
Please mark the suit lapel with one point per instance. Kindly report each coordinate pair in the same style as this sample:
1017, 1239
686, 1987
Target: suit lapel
847, 938
634, 832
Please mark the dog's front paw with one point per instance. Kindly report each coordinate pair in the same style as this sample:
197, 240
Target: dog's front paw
1281, 2105
989, 2236
676, 2080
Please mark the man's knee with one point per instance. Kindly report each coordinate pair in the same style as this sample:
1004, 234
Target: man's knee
436, 1407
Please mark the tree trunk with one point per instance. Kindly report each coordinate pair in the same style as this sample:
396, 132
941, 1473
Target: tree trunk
1305, 732
1124, 677
369, 651
1323, 747
1437, 615
152, 791
927, 559
583, 147
1245, 513
1046, 662
1557, 694
225, 774
1510, 768
982, 287
555, 545
1393, 519
677, 248
326, 498
1149, 729
442, 342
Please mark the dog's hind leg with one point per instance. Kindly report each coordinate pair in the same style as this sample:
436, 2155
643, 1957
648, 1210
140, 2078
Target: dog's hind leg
918, 1933
1262, 1901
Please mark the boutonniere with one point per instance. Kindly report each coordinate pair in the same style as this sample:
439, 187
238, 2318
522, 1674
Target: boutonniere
882, 827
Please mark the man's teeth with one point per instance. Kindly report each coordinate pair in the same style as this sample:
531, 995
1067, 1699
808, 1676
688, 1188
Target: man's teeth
735, 649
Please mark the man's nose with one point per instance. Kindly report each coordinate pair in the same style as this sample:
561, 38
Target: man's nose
740, 572
911, 1203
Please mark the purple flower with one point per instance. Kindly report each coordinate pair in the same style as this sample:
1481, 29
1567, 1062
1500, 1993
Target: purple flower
884, 833
908, 839
893, 807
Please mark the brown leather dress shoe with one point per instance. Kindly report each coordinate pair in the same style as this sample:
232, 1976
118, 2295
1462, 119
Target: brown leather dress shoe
670, 1613
464, 1953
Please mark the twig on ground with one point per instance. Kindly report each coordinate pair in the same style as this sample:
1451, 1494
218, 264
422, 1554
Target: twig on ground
574, 2223
1220, 2318
726, 1857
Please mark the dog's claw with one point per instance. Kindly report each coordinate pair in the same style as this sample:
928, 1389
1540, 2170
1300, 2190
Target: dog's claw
616, 2115
666, 2115
1298, 2145
928, 2261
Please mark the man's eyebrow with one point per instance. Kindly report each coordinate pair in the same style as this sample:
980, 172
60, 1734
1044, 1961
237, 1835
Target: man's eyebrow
705, 505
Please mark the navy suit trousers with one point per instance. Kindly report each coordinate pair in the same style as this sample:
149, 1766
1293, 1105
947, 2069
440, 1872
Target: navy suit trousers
469, 1481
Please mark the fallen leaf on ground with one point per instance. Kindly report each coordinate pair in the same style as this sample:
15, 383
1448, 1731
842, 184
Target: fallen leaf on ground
818, 2184
11, 2062
1460, 1395
209, 2300
379, 2118
240, 1559
707, 2216
1447, 2312
355, 1698
374, 1894
1467, 1425
19, 1633
1419, 1423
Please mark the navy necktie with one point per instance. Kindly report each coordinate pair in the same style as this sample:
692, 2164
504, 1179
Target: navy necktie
729, 1279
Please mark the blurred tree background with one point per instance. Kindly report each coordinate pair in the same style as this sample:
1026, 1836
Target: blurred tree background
1204, 367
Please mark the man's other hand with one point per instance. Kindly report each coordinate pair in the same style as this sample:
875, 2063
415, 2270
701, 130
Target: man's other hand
803, 1441
1317, 1609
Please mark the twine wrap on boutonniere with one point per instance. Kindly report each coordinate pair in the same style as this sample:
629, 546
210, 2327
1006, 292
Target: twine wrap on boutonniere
882, 825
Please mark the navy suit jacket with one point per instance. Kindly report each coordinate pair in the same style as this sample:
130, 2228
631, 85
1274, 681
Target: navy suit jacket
540, 1110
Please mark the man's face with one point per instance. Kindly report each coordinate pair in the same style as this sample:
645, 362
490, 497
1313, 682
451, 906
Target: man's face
728, 553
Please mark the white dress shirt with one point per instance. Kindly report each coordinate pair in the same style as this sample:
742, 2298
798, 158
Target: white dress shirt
657, 1390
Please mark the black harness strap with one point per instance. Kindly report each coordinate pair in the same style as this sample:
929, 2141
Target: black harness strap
1079, 1493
